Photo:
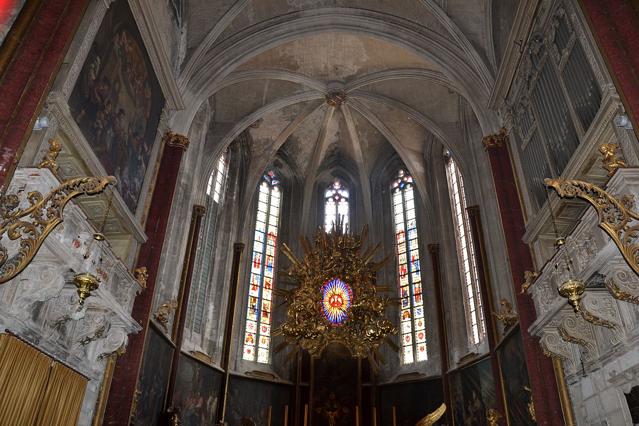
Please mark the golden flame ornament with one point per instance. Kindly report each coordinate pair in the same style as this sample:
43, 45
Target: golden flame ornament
335, 300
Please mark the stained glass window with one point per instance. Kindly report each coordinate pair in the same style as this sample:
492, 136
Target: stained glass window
257, 336
465, 252
335, 205
336, 300
412, 324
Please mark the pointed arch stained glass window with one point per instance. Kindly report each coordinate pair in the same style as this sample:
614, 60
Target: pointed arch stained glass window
412, 323
257, 335
335, 205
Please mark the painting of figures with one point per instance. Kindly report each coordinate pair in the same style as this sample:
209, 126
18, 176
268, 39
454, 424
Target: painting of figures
472, 391
154, 379
196, 392
117, 101
516, 384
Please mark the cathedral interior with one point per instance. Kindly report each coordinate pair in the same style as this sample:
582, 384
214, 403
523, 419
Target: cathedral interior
319, 212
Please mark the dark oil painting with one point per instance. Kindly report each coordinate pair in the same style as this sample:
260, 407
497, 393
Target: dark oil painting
472, 391
412, 401
154, 379
196, 392
516, 383
117, 101
249, 400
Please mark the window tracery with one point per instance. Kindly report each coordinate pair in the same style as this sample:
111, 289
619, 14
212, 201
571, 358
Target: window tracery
465, 253
257, 335
412, 323
215, 187
336, 207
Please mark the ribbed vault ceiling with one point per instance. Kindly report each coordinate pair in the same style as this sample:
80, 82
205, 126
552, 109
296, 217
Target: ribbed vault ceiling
394, 73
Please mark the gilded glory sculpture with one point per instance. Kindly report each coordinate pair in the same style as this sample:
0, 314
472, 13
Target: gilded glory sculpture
336, 300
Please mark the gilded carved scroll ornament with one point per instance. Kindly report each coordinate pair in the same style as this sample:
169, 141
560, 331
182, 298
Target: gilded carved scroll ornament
28, 227
495, 140
492, 417
616, 216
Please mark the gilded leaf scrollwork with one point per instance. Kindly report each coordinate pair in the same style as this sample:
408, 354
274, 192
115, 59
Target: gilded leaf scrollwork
32, 225
616, 216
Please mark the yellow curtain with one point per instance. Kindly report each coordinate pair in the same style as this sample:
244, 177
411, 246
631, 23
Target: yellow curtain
34, 389
23, 377
62, 397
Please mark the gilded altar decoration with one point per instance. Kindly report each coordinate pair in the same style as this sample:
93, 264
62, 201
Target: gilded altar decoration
531, 405
336, 299
32, 225
617, 217
609, 160
496, 140
529, 279
492, 417
431, 418
141, 275
506, 315
164, 311
49, 160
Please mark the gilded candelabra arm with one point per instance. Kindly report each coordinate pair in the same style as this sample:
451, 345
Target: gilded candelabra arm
620, 294
616, 216
432, 418
33, 224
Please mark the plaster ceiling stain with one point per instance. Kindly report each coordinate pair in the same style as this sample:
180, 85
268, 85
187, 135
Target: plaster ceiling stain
301, 144
409, 133
254, 94
433, 100
336, 57
272, 124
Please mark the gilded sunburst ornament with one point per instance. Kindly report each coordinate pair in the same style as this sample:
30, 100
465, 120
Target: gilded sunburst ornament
335, 299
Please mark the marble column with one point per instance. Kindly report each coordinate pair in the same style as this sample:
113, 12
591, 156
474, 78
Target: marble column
125, 376
615, 25
540, 369
30, 58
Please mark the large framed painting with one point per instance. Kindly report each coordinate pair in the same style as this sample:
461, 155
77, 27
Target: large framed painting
154, 379
516, 382
9, 11
117, 101
472, 390
249, 402
197, 388
412, 401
